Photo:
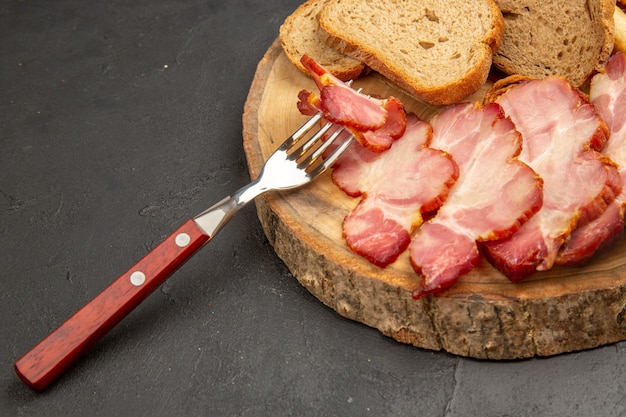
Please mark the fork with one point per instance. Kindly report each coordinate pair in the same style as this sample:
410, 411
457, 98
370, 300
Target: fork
300, 159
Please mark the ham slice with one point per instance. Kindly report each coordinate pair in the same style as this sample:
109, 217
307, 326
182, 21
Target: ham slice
397, 187
562, 136
608, 95
375, 123
494, 195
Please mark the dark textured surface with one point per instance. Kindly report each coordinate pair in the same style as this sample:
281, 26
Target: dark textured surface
118, 121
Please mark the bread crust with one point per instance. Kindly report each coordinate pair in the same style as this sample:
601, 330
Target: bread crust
421, 86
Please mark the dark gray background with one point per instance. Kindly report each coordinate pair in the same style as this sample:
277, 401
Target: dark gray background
118, 121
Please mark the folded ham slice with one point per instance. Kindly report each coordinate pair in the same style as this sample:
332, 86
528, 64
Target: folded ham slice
396, 186
375, 123
562, 134
608, 94
494, 195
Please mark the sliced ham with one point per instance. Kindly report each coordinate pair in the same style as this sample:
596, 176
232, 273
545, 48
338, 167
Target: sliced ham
592, 237
381, 139
562, 136
494, 195
608, 95
375, 123
396, 186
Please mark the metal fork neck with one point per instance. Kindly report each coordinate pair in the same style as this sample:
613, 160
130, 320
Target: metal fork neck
213, 219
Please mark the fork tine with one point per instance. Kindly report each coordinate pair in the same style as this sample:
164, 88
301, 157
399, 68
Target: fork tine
301, 131
302, 148
320, 150
332, 157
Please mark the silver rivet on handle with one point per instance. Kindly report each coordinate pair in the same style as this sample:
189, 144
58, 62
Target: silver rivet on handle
182, 240
137, 278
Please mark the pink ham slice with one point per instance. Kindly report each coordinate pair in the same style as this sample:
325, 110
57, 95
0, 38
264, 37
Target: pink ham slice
562, 135
494, 195
608, 95
375, 123
397, 186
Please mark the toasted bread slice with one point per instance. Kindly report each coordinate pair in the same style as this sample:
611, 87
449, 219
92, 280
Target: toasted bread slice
438, 51
299, 36
570, 39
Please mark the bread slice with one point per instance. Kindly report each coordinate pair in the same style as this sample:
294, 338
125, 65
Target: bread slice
299, 36
553, 37
438, 51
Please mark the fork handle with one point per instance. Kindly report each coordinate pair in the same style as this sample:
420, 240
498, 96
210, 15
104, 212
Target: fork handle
61, 348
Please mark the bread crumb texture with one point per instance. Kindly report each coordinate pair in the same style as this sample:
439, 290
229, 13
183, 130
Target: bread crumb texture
550, 37
421, 45
418, 32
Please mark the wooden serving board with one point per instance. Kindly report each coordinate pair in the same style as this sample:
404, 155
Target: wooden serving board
482, 316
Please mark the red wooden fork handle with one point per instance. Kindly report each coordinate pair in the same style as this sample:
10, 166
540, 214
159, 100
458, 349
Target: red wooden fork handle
50, 357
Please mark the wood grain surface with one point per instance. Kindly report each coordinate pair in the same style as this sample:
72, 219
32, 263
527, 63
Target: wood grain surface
482, 316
